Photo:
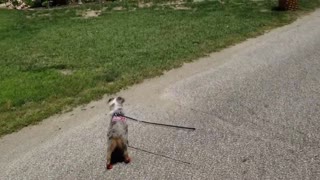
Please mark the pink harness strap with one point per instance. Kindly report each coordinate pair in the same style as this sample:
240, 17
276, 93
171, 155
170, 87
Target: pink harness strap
118, 118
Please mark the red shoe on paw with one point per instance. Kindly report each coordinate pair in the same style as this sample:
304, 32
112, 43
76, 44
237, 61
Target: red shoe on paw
128, 160
109, 166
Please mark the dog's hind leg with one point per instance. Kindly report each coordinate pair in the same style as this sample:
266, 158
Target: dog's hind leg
111, 147
122, 144
125, 152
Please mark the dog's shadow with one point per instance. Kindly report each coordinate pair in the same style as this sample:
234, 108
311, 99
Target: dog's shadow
117, 156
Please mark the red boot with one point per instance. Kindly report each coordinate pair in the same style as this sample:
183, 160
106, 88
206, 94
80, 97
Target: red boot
109, 166
127, 160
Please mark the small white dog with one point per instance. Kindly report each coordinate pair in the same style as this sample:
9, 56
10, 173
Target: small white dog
118, 131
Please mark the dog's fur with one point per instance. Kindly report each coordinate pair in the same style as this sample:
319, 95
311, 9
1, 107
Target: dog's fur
118, 131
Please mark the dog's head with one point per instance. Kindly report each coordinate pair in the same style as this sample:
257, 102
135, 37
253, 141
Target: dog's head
115, 104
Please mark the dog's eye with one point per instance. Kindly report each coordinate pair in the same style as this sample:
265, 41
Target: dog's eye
110, 100
112, 105
120, 100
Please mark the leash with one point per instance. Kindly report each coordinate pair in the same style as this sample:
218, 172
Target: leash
159, 124
184, 162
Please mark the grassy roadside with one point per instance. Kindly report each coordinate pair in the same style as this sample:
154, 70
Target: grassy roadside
53, 60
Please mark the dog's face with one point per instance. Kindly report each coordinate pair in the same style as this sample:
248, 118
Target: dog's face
115, 103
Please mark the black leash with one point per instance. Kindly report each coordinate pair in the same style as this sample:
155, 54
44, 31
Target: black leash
184, 162
159, 124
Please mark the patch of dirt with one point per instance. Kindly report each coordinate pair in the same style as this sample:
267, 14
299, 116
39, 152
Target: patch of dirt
221, 2
91, 13
145, 5
172, 3
3, 6
264, 10
118, 8
176, 5
104, 8
44, 15
66, 72
18, 4
181, 7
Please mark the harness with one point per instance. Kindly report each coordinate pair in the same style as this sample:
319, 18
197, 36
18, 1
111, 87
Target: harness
118, 117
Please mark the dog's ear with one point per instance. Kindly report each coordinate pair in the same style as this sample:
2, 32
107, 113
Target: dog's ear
120, 99
110, 100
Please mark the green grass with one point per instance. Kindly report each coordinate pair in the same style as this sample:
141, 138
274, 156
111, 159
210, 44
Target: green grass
105, 54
